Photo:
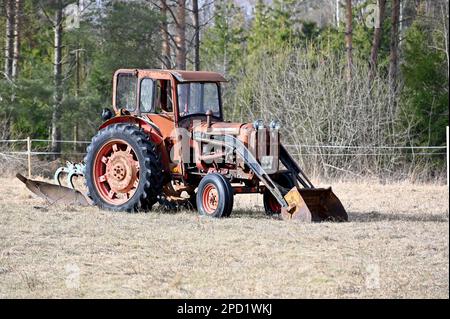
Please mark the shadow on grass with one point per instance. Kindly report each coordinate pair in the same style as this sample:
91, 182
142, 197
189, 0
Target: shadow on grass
251, 213
236, 213
372, 217
355, 217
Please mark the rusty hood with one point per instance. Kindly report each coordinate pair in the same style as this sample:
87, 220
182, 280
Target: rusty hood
225, 128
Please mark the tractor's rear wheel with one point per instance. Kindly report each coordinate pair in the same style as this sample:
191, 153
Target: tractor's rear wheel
215, 196
271, 205
123, 169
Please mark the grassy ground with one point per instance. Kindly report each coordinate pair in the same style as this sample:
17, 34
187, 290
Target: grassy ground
396, 246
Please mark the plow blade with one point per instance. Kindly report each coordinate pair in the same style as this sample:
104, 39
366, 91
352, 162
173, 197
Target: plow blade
313, 204
54, 193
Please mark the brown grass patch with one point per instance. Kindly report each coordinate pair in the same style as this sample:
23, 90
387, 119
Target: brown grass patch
396, 246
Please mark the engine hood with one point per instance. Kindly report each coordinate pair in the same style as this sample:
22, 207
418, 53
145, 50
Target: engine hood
226, 128
245, 132
232, 128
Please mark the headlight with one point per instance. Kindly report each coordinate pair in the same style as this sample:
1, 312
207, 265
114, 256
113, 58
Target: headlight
275, 125
258, 124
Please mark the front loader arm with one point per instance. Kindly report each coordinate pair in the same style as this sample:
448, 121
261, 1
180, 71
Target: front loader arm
236, 145
293, 167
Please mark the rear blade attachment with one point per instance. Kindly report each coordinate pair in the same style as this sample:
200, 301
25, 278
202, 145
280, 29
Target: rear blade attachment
54, 193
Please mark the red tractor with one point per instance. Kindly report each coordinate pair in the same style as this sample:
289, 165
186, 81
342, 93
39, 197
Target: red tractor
167, 141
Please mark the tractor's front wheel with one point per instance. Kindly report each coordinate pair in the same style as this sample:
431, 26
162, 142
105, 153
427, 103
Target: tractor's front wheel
215, 196
123, 169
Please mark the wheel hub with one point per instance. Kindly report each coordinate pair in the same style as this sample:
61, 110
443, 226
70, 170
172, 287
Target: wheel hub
210, 199
121, 172
116, 172
213, 198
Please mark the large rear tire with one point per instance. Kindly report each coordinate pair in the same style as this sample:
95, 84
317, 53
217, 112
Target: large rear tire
123, 169
215, 196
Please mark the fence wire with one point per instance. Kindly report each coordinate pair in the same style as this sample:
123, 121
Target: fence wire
308, 148
348, 158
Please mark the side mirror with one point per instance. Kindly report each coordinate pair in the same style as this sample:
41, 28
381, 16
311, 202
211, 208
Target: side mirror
107, 114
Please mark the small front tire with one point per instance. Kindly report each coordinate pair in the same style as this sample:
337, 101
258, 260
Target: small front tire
215, 196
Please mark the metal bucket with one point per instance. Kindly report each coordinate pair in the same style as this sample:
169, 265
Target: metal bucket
313, 205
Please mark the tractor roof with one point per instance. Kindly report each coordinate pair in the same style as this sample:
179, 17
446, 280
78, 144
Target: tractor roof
187, 76
181, 75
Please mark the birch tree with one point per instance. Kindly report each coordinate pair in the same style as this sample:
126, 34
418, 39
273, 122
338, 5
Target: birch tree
9, 37
16, 38
57, 77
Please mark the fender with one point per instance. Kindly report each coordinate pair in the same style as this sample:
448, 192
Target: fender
150, 128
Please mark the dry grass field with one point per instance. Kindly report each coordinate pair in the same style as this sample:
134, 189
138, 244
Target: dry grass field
396, 246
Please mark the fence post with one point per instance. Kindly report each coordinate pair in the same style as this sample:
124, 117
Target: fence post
75, 138
447, 158
29, 156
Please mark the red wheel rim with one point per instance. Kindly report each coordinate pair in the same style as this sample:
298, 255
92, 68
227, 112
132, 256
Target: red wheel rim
273, 205
210, 199
116, 172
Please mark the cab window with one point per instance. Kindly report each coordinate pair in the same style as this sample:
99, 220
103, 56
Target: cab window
163, 96
146, 95
126, 91
198, 98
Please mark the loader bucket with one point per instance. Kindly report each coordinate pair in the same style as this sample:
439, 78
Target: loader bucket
54, 193
313, 204
324, 205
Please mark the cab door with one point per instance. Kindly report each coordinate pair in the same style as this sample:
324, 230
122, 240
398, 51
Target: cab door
160, 109
156, 103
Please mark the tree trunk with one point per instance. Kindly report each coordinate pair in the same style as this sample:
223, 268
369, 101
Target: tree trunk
337, 14
377, 37
9, 37
443, 10
17, 31
57, 73
165, 48
180, 37
393, 57
195, 22
349, 38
